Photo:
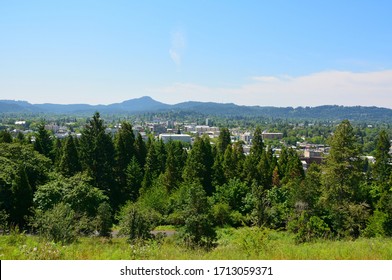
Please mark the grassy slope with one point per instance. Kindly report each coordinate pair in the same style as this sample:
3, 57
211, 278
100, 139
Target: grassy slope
232, 244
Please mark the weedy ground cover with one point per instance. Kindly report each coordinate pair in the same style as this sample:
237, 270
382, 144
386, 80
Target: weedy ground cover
242, 243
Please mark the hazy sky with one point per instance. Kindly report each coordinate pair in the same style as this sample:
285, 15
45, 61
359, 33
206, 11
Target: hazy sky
280, 53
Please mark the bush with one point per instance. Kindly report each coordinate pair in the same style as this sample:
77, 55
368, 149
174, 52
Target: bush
198, 228
3, 221
136, 222
58, 224
103, 221
375, 227
309, 228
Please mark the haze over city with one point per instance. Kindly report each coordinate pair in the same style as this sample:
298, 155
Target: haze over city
267, 53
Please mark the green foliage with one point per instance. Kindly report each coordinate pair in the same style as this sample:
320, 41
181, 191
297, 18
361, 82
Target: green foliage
156, 197
134, 175
382, 168
136, 222
77, 192
348, 219
104, 220
276, 207
152, 166
198, 228
376, 225
5, 137
43, 142
174, 165
97, 156
35, 165
342, 172
253, 240
3, 221
223, 140
232, 193
59, 224
69, 163
309, 228
221, 214
22, 195
198, 166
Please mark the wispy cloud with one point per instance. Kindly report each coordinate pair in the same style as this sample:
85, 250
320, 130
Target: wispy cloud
329, 87
178, 44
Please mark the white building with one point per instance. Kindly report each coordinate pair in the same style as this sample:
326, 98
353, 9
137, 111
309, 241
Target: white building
175, 137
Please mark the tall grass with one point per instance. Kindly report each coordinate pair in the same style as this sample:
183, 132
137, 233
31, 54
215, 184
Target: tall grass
243, 243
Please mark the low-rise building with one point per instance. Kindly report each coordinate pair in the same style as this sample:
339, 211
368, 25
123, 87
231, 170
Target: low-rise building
175, 137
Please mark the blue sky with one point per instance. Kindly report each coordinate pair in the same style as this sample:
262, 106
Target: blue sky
279, 53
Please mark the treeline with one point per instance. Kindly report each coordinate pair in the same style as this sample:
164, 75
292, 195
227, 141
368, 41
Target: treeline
61, 189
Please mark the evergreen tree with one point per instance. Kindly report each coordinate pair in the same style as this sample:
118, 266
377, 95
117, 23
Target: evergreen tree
161, 155
22, 198
5, 137
69, 163
134, 175
224, 140
198, 167
238, 157
382, 167
125, 151
342, 172
20, 137
174, 163
342, 175
152, 167
229, 164
198, 229
140, 150
294, 169
43, 142
97, 156
218, 171
57, 152
250, 171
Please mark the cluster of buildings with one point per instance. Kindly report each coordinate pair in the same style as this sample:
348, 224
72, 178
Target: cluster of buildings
168, 130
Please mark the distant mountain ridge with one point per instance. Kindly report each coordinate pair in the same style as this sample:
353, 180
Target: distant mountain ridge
147, 104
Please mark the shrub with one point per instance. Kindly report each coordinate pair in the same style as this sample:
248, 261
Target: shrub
136, 222
3, 221
103, 221
58, 224
375, 226
198, 228
308, 228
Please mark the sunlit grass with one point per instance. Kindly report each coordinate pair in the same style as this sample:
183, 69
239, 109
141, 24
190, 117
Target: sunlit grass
232, 244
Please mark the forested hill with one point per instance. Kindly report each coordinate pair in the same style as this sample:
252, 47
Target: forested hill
147, 104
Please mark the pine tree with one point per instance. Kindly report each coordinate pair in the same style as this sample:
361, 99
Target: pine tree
223, 140
43, 142
174, 163
342, 176
97, 156
152, 167
198, 167
382, 167
57, 152
69, 163
140, 150
250, 171
22, 198
125, 151
342, 172
5, 137
134, 175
